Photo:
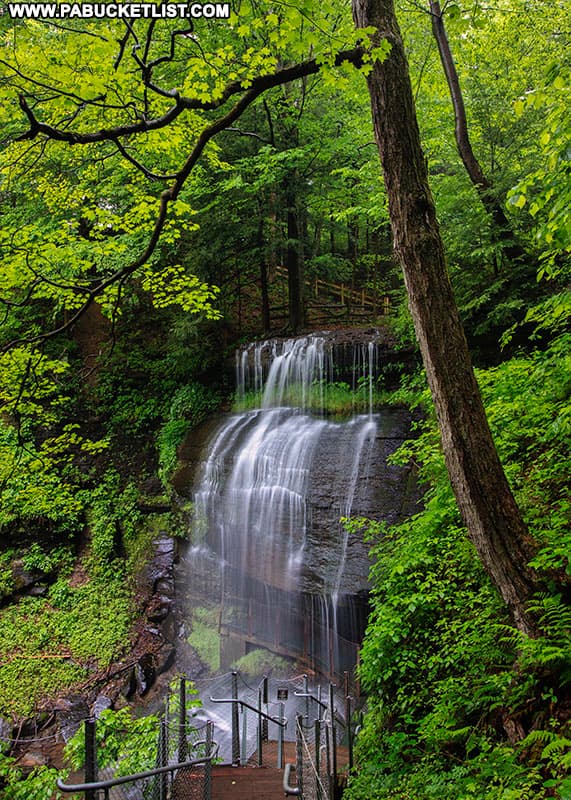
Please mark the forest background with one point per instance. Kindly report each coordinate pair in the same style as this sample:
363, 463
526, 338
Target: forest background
170, 189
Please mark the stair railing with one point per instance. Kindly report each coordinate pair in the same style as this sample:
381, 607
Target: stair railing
101, 789
240, 757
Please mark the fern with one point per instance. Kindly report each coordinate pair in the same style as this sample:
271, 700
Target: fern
542, 737
560, 744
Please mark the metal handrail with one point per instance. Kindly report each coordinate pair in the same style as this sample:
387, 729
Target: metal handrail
311, 697
295, 790
138, 776
215, 747
281, 722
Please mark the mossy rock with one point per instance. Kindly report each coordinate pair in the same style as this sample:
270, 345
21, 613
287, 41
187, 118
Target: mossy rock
260, 662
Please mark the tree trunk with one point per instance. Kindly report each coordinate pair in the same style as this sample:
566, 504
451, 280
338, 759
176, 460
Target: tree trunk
511, 249
263, 276
353, 248
294, 261
486, 503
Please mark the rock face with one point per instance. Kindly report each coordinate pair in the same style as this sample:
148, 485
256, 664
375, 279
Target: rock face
157, 637
25, 581
271, 484
71, 711
345, 351
382, 492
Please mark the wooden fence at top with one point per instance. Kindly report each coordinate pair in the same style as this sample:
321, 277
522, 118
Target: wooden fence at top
345, 295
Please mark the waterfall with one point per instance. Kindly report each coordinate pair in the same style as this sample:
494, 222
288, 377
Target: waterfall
268, 546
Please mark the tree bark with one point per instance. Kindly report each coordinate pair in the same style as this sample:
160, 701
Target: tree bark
511, 249
491, 515
294, 260
266, 322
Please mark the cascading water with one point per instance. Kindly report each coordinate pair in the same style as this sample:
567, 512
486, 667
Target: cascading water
268, 545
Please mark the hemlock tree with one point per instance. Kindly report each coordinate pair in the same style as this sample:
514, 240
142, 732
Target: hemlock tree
135, 106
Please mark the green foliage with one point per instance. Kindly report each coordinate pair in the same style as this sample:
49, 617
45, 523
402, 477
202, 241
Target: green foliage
131, 412
260, 662
205, 637
7, 583
172, 287
59, 559
527, 400
334, 398
190, 405
35, 489
518, 142
550, 653
440, 660
124, 742
48, 644
446, 674
40, 784
545, 193
113, 520
127, 743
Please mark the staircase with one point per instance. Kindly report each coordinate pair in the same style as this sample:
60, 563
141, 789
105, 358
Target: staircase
188, 758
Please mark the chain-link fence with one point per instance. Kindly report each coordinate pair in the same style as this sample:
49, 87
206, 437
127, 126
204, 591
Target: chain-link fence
315, 759
236, 721
177, 767
170, 779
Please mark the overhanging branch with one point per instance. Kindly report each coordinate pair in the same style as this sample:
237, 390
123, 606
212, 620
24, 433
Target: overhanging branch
181, 104
168, 196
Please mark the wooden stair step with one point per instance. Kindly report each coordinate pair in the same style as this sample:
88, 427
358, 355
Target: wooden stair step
247, 783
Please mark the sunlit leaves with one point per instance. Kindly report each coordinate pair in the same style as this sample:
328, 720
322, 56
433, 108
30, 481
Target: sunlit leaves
34, 486
171, 286
439, 661
546, 191
28, 380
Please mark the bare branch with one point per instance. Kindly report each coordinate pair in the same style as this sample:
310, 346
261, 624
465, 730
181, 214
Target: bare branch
270, 123
152, 176
64, 286
122, 45
252, 134
149, 39
81, 31
20, 303
60, 92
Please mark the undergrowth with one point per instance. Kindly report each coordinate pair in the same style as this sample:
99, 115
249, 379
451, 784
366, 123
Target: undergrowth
205, 636
51, 643
461, 706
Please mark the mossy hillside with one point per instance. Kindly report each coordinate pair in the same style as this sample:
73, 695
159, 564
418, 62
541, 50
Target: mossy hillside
205, 636
57, 642
261, 662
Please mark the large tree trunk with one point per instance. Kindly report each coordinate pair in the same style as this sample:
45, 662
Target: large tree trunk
493, 206
484, 497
